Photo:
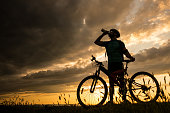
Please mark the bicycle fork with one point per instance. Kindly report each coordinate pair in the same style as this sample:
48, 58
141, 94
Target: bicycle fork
93, 85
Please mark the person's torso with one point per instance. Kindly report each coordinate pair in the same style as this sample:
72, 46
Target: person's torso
113, 49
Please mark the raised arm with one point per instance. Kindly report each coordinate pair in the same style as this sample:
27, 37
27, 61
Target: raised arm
98, 40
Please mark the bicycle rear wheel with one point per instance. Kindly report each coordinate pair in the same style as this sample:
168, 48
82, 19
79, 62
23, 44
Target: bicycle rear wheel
92, 91
144, 87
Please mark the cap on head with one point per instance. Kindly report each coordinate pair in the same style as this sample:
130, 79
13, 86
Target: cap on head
115, 32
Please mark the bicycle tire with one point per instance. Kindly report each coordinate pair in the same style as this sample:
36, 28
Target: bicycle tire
80, 100
142, 88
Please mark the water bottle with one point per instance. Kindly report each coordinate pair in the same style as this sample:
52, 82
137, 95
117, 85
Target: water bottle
103, 30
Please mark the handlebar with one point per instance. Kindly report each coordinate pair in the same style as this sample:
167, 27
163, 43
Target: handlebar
100, 63
93, 58
127, 61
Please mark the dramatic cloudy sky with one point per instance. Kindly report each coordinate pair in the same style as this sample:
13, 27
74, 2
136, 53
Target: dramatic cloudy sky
48, 43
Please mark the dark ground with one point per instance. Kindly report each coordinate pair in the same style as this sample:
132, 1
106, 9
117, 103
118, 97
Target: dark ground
116, 108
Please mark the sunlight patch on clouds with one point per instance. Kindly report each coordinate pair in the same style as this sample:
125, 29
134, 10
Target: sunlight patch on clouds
160, 17
80, 63
133, 39
154, 39
135, 8
164, 5
144, 41
84, 21
53, 67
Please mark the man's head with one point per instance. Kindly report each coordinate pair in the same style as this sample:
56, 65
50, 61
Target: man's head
113, 33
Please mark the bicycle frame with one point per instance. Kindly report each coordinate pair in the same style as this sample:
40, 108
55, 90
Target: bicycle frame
105, 71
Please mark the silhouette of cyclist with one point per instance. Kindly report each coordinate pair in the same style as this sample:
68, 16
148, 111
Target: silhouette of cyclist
115, 50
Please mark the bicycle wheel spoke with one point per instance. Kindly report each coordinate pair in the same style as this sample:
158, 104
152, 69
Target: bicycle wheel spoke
102, 93
139, 93
101, 85
147, 96
137, 84
136, 89
82, 90
144, 81
148, 81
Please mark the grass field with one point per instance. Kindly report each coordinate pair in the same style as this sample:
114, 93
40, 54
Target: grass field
163, 107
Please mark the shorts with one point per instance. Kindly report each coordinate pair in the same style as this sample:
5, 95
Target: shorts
114, 66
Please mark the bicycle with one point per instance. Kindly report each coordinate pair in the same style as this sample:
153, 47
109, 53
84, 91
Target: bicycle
93, 90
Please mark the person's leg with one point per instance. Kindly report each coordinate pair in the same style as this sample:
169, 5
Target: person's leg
111, 89
120, 78
122, 87
112, 67
111, 81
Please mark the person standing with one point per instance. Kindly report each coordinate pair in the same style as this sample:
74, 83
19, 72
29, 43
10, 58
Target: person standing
115, 50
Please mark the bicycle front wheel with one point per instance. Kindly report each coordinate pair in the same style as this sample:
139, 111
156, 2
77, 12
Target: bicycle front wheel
92, 91
144, 87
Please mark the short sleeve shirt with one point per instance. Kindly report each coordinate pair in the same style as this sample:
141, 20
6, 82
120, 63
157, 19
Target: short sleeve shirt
114, 50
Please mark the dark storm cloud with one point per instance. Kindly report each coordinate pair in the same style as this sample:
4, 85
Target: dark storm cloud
36, 34
39, 81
